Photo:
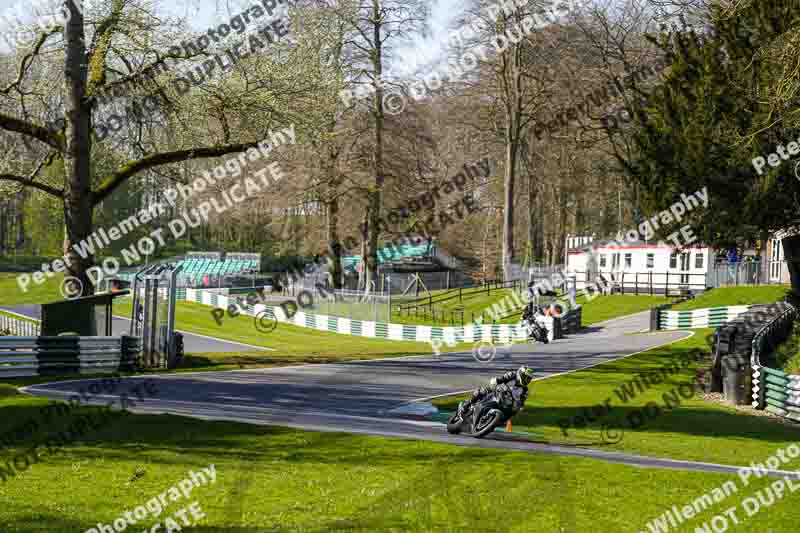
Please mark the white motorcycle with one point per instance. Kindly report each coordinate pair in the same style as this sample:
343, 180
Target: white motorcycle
535, 330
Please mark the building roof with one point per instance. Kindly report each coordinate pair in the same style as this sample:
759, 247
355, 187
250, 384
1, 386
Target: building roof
613, 243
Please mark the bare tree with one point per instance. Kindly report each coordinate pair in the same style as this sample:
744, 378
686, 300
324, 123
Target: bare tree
375, 25
116, 45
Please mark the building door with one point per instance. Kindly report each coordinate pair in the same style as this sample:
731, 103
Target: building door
685, 268
776, 259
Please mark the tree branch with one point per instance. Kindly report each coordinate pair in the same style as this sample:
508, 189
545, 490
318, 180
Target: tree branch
96, 58
58, 193
117, 178
30, 129
23, 67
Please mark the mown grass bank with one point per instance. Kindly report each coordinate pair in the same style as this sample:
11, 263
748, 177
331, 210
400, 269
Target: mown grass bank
729, 296
275, 479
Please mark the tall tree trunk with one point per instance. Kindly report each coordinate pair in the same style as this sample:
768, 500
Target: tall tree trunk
334, 247
514, 106
362, 276
763, 256
509, 183
532, 219
561, 234
5, 211
371, 267
77, 169
20, 240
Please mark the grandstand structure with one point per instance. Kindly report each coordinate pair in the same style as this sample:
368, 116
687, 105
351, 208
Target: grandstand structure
208, 269
423, 256
203, 268
400, 265
221, 269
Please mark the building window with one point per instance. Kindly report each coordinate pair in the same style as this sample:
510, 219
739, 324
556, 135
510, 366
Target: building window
628, 260
698, 261
615, 261
673, 260
651, 260
602, 260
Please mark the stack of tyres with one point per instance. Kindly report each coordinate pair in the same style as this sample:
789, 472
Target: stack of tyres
735, 340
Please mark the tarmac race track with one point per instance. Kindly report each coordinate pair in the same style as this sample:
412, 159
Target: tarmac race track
359, 397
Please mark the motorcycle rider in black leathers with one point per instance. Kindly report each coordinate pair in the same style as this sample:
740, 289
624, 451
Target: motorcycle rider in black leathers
521, 378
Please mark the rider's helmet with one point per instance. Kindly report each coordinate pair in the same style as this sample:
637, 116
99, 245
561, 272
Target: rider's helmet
524, 375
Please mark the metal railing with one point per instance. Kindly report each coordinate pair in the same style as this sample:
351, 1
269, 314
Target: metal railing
652, 283
725, 274
426, 307
487, 286
357, 305
18, 327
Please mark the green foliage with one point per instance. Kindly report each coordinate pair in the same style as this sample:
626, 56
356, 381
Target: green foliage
787, 356
712, 116
44, 225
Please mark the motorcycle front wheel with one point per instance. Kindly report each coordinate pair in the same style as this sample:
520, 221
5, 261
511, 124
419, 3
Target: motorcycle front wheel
454, 425
487, 424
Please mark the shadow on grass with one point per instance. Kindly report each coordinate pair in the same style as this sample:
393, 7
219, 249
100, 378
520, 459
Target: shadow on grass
454, 490
691, 418
126, 436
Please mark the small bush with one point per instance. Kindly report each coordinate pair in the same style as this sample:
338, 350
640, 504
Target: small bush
787, 356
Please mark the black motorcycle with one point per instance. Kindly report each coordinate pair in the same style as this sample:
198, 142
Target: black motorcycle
491, 412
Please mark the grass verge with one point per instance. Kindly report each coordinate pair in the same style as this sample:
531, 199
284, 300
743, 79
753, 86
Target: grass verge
604, 308
728, 296
275, 479
473, 304
48, 291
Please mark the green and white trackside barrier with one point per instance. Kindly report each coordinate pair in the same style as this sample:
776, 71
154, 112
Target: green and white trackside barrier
402, 332
775, 390
699, 318
366, 328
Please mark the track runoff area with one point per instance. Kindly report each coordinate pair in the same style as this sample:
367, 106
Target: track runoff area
377, 397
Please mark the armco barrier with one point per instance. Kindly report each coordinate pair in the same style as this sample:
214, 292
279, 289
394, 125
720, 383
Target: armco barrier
775, 390
399, 332
42, 356
699, 318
